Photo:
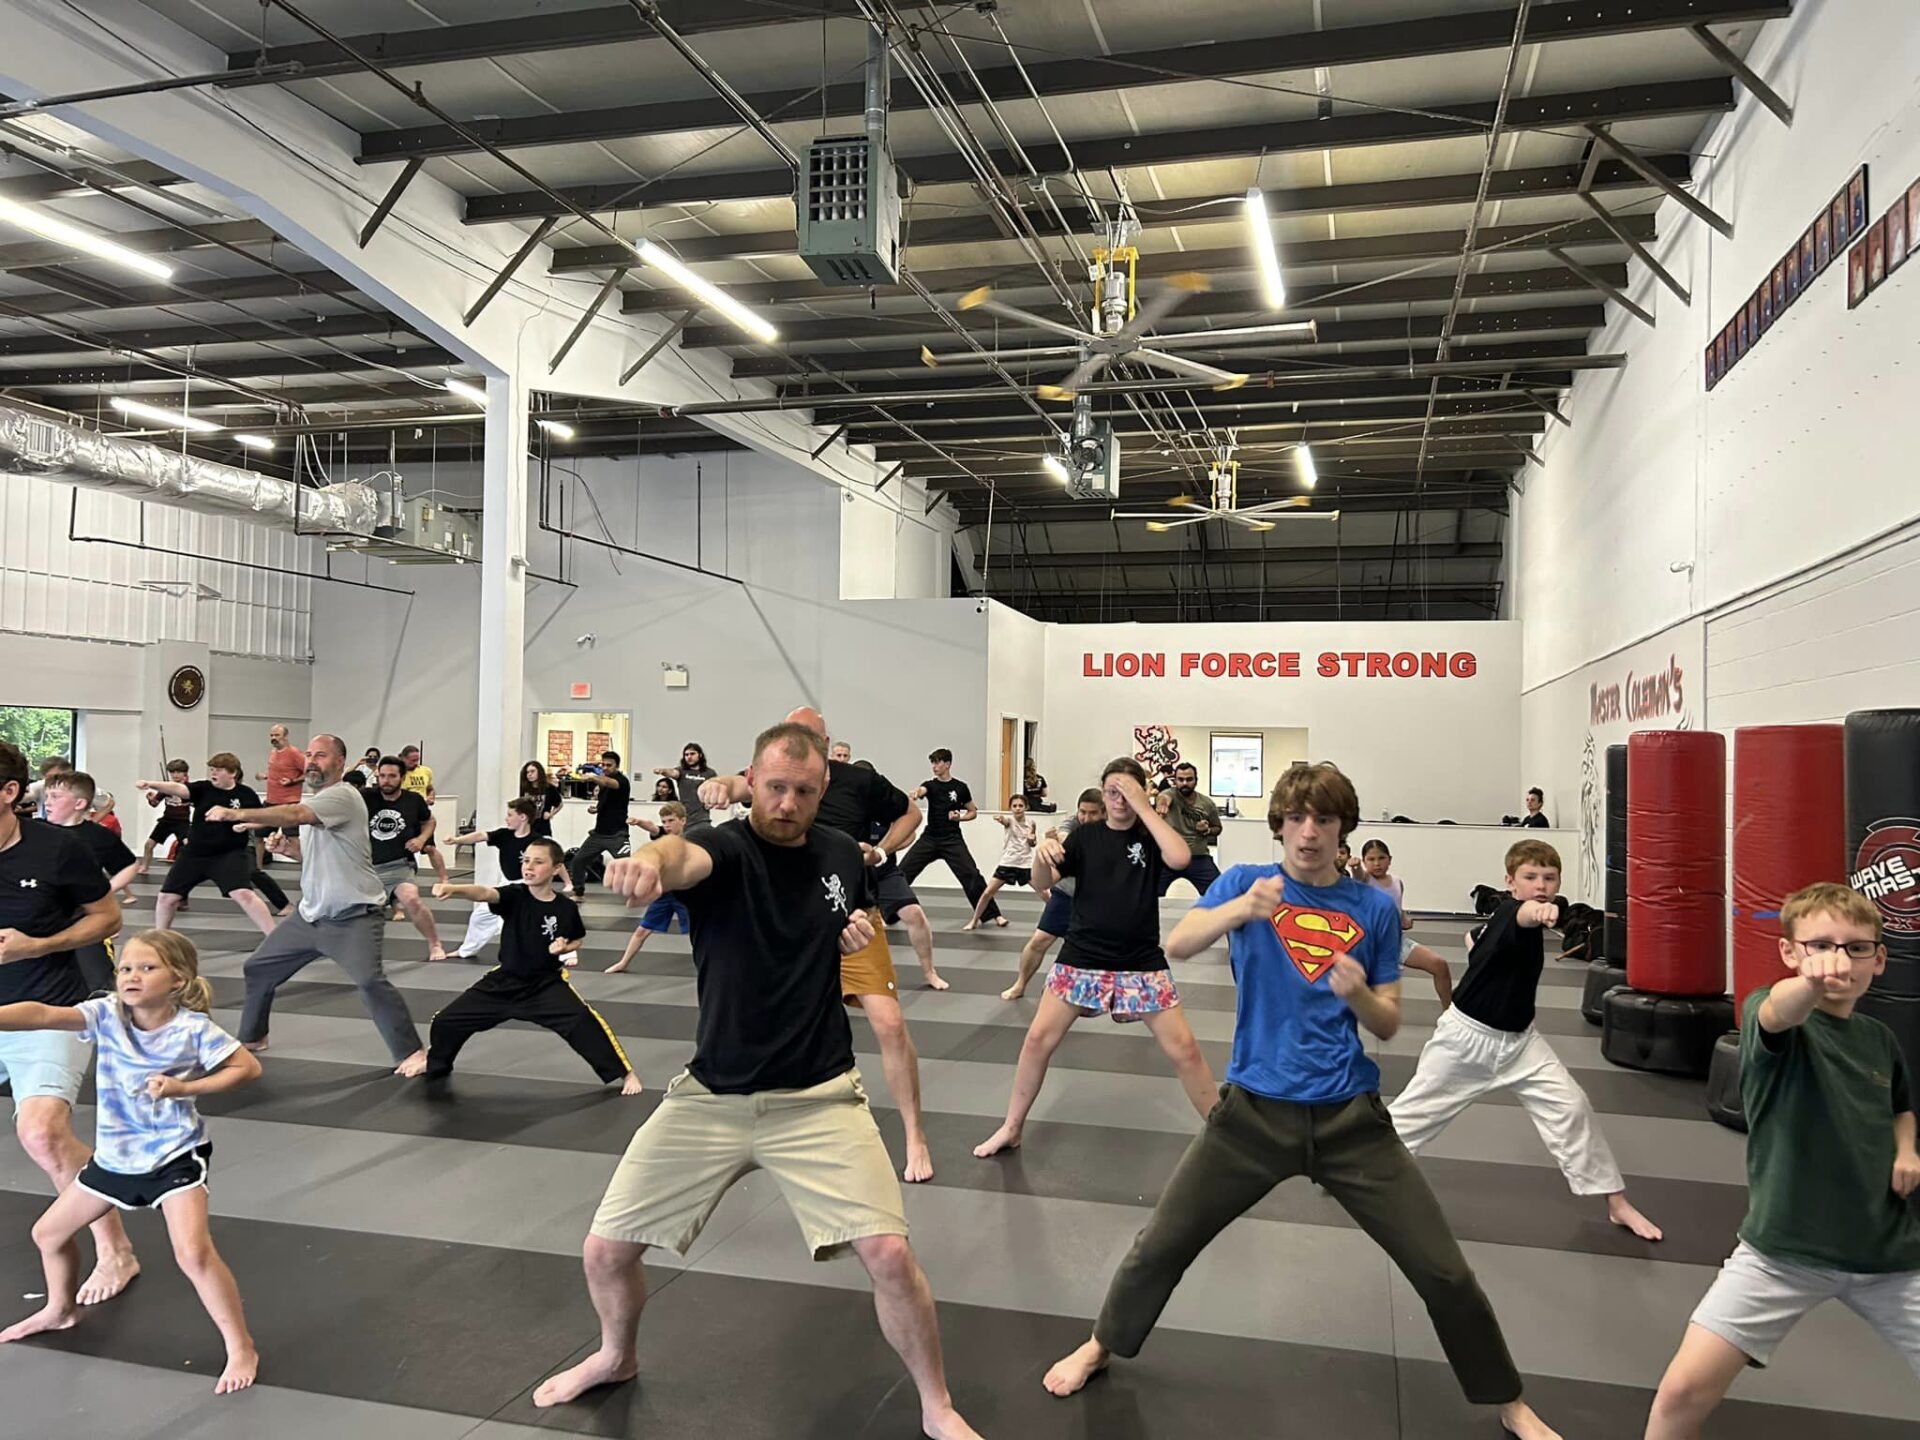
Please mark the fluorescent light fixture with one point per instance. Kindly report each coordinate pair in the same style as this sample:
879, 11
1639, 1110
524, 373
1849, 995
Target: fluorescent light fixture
49, 227
1303, 464
1266, 258
1057, 468
559, 429
467, 392
255, 442
173, 419
707, 292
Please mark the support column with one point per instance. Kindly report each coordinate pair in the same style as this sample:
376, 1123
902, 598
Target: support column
501, 733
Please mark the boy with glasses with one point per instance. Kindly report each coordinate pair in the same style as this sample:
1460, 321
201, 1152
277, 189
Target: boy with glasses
1831, 1164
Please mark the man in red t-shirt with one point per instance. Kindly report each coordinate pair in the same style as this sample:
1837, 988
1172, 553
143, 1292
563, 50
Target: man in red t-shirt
286, 776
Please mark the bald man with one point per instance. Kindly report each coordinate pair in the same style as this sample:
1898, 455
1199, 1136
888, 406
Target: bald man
286, 775
854, 803
342, 904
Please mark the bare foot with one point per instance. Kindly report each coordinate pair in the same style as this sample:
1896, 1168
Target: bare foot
1014, 992
241, 1368
1001, 921
436, 954
40, 1322
617, 968
112, 1274
256, 1046
1621, 1212
1069, 1376
414, 1064
919, 1164
946, 1425
598, 1368
1005, 1138
282, 913
971, 925
934, 982
632, 1085
1518, 1418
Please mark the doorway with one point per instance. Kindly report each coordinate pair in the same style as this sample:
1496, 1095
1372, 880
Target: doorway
1010, 772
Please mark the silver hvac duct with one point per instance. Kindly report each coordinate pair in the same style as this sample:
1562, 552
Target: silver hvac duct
33, 444
878, 86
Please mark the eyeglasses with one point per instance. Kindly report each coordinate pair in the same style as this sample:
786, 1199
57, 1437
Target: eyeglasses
1856, 949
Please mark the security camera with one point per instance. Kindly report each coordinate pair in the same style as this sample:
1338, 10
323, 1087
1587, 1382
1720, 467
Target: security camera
587, 639
980, 607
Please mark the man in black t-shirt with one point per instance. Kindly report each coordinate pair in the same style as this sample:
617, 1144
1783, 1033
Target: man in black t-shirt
1112, 961
776, 902
69, 796
1485, 1042
53, 902
530, 983
949, 805
861, 803
214, 851
609, 837
400, 824
1536, 816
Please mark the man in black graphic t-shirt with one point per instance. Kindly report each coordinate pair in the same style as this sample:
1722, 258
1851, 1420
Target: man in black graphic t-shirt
609, 837
400, 826
214, 850
776, 902
949, 805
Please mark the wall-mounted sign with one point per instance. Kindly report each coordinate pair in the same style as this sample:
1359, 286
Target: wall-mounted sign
580, 690
1639, 697
1282, 664
187, 687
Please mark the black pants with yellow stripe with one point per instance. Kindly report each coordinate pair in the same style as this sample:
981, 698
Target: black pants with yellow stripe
548, 1000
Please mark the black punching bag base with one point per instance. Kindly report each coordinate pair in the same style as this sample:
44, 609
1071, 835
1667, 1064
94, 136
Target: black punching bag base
1724, 1104
1664, 1033
1602, 976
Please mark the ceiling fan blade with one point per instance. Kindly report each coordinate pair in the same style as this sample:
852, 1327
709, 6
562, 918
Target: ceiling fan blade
1295, 502
982, 299
1157, 526
1180, 365
1171, 294
1087, 369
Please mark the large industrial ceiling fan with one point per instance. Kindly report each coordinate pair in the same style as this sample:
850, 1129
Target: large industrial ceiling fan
1223, 499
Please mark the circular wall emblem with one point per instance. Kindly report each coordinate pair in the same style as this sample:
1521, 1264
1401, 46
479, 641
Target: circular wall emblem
187, 688
1886, 869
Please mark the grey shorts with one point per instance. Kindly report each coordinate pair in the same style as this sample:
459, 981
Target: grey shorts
396, 873
1757, 1299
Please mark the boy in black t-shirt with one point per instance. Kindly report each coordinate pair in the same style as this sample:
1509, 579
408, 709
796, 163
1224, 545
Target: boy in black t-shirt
69, 796
215, 851
530, 983
509, 842
1486, 1042
174, 815
949, 805
1112, 960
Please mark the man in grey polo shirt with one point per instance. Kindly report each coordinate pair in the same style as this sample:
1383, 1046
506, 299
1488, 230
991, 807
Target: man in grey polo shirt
342, 904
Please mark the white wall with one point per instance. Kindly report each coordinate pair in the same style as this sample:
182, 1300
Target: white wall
1429, 748
1798, 454
1016, 689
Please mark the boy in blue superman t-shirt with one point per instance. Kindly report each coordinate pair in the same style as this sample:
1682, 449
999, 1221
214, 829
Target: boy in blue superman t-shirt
1315, 956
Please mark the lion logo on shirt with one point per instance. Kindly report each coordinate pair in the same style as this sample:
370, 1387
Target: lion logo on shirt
1314, 939
836, 889
1137, 854
549, 927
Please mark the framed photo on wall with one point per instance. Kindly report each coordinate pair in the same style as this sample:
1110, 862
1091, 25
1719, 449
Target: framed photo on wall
1837, 213
1740, 334
1753, 319
1857, 201
1723, 352
1780, 287
1822, 243
1896, 222
1856, 274
1764, 298
1913, 213
1712, 369
1807, 268
1876, 253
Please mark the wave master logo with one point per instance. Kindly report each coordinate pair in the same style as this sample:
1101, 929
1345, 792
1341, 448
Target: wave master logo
1886, 869
1314, 939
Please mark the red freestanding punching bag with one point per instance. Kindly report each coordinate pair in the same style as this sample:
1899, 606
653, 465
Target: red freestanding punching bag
1789, 830
1677, 862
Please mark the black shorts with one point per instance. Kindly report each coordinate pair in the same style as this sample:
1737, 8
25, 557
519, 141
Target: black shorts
231, 870
1012, 875
894, 895
145, 1192
167, 830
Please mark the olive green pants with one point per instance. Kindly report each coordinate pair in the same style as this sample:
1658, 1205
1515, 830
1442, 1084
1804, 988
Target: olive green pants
1249, 1145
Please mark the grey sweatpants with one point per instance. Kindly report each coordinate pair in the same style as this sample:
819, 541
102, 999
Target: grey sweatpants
351, 942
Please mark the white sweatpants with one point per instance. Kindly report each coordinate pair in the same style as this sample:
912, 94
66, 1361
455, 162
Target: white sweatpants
1466, 1060
483, 927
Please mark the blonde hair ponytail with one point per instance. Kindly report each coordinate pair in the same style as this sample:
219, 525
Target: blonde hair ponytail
192, 991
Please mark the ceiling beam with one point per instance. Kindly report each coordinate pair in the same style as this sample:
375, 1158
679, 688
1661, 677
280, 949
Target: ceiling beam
166, 241
142, 297
533, 34
1017, 275
1387, 332
1240, 306
82, 180
1253, 55
250, 367
1418, 192
1267, 551
329, 327
1497, 415
1354, 601
1646, 101
971, 506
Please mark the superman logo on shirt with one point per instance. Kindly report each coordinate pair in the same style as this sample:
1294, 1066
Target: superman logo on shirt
1314, 939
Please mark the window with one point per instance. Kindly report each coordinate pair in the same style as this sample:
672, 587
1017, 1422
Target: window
40, 733
1236, 766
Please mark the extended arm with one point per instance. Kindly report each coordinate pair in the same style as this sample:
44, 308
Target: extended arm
172, 789
1788, 1004
121, 879
676, 864
98, 919
32, 1015
1201, 927
479, 894
900, 834
1906, 1159
267, 817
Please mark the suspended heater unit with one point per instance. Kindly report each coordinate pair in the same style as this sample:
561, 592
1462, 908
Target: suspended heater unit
849, 212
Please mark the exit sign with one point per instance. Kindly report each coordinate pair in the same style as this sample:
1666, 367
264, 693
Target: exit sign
580, 690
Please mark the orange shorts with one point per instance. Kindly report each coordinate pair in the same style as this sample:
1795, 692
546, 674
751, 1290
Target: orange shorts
869, 971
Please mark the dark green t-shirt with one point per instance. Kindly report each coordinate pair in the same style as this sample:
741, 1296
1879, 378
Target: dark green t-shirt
1820, 1102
